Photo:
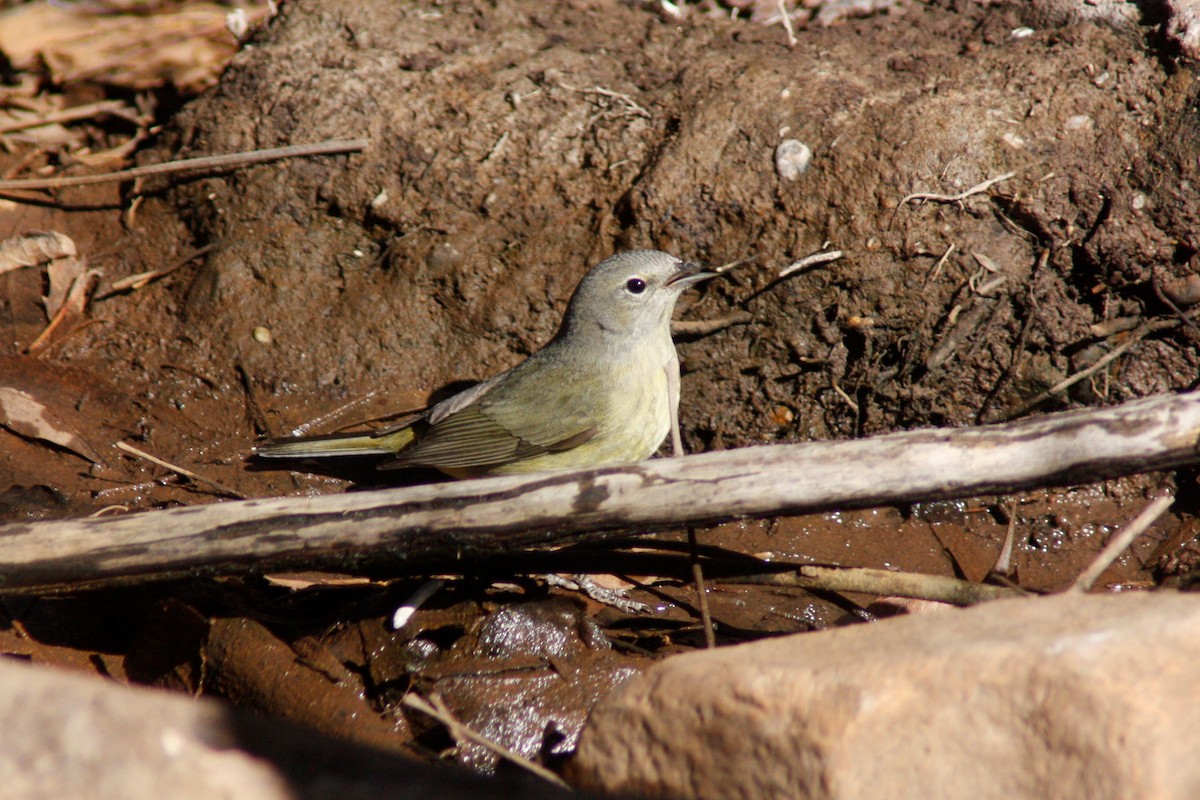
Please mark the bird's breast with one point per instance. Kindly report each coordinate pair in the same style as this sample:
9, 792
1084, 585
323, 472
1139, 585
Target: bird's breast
627, 405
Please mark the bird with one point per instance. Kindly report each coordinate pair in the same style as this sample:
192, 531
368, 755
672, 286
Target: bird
603, 391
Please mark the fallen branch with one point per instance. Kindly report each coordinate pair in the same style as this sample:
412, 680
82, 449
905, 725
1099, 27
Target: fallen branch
420, 526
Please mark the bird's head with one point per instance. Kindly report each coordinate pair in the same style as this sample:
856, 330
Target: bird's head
630, 294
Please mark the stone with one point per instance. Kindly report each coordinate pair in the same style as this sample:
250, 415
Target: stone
1064, 696
71, 735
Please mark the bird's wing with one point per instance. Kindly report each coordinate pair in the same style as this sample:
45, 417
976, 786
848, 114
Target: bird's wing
530, 412
471, 439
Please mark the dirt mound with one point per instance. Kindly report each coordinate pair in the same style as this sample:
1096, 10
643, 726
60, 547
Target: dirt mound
511, 147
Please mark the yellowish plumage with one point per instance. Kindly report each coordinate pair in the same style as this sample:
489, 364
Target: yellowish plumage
603, 391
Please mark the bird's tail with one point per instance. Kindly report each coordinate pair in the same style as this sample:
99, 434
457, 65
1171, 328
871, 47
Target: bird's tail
377, 443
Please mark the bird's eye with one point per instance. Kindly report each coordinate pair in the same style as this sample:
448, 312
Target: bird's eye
635, 285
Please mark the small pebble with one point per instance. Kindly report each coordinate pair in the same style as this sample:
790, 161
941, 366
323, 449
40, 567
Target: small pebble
262, 334
1078, 122
1013, 141
792, 159
782, 416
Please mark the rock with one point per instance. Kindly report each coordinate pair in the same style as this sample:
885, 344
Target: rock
792, 158
1066, 696
1183, 26
67, 735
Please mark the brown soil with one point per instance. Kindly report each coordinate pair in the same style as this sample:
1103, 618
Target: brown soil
514, 144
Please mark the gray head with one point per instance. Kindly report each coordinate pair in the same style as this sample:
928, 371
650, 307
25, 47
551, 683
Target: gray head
630, 294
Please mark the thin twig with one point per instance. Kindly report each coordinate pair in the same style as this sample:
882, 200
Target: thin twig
631, 105
1145, 330
822, 257
710, 636
885, 584
978, 188
787, 23
134, 282
187, 473
1121, 541
73, 305
1179, 312
842, 394
227, 161
88, 111
1003, 565
937, 268
703, 327
497, 147
318, 422
436, 708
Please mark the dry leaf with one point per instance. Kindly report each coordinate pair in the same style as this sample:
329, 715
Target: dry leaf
34, 248
894, 606
63, 273
187, 45
73, 306
305, 580
25, 415
80, 292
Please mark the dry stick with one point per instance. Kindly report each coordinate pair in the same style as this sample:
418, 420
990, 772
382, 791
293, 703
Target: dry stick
75, 301
187, 473
703, 327
787, 22
884, 583
422, 529
1003, 565
142, 279
937, 268
808, 261
317, 422
631, 105
70, 115
436, 708
1145, 330
710, 635
227, 161
978, 188
1121, 541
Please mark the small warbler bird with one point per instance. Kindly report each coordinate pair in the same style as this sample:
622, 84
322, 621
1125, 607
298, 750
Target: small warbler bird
603, 391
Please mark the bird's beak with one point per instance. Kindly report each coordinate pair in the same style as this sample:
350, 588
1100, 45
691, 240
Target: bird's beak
688, 275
